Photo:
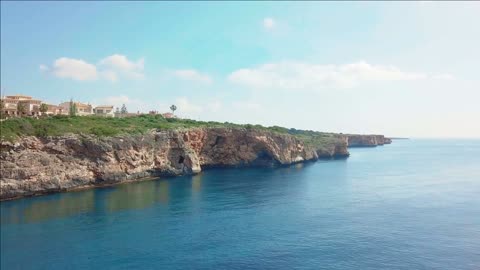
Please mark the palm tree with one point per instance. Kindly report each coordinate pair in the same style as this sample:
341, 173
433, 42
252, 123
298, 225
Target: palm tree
173, 108
43, 108
21, 108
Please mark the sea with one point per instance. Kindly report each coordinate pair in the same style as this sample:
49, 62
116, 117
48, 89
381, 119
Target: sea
414, 204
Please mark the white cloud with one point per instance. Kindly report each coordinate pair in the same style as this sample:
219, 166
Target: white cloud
119, 64
269, 23
110, 68
75, 69
109, 75
298, 75
192, 75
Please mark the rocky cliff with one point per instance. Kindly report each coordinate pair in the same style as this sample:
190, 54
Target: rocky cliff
355, 140
34, 165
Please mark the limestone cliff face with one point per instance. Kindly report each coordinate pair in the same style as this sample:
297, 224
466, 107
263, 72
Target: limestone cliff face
337, 149
40, 165
34, 165
239, 147
354, 140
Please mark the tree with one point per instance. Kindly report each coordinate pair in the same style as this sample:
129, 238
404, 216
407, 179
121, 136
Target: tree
43, 108
123, 110
21, 108
73, 108
2, 107
173, 108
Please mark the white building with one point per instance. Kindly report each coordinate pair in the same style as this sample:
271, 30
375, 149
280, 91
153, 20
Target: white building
104, 110
82, 109
30, 106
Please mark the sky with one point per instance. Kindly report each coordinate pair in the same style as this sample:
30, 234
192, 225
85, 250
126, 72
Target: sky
404, 69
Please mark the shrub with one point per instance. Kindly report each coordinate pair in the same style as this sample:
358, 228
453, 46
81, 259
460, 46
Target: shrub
100, 126
44, 129
103, 131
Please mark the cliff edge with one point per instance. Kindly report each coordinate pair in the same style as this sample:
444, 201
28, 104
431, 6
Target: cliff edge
34, 165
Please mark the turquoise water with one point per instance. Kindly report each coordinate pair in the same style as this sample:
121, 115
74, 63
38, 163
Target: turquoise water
414, 204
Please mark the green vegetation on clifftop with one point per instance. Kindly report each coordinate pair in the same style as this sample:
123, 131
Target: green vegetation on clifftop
101, 126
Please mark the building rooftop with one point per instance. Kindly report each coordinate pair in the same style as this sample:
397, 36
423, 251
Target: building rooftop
168, 115
19, 96
77, 103
30, 100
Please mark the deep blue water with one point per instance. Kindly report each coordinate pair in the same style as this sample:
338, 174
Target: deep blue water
414, 204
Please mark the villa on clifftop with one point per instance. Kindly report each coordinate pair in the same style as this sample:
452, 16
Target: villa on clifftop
80, 108
104, 110
11, 104
22, 105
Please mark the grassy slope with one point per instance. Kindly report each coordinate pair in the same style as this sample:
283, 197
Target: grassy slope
100, 126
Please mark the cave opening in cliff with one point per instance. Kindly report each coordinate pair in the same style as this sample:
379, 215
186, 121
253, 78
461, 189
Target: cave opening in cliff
181, 160
264, 158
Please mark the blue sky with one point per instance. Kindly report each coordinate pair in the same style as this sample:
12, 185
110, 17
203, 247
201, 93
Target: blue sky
395, 68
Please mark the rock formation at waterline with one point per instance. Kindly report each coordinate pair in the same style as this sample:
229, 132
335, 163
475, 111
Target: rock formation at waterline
32, 165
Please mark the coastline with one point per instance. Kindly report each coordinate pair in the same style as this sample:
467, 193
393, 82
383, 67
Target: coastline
36, 166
